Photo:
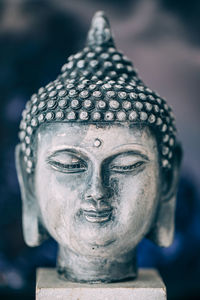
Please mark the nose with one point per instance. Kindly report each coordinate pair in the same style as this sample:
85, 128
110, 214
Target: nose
97, 191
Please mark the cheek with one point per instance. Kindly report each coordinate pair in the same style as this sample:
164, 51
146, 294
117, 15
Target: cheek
59, 198
138, 199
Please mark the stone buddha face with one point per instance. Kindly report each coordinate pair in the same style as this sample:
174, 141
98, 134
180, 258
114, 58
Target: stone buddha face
98, 164
97, 188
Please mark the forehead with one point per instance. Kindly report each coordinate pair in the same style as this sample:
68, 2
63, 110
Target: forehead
93, 138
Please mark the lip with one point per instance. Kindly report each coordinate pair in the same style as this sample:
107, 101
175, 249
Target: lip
97, 216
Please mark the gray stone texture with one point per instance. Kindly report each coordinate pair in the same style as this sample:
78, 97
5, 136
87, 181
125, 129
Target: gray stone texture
98, 164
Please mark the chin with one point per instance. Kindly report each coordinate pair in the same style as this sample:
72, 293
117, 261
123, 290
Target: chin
101, 246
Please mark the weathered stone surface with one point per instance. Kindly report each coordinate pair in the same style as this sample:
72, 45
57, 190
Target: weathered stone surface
147, 286
98, 163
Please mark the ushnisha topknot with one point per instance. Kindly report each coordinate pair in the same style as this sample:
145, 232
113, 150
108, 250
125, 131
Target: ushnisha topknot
98, 84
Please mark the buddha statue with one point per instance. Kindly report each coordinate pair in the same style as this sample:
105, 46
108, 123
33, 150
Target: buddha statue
98, 163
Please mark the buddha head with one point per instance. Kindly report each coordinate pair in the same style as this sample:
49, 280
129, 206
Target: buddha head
98, 163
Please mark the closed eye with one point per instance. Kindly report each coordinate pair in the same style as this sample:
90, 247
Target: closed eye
67, 162
68, 168
127, 168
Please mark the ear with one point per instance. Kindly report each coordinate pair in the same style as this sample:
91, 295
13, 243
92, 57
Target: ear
32, 229
162, 232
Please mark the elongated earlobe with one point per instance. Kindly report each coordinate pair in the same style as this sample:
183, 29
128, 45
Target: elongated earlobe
162, 231
32, 230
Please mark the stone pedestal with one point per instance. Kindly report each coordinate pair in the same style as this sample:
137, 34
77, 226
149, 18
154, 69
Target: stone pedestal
148, 286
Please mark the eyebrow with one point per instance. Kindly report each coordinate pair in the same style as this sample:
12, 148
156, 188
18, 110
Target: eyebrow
127, 148
78, 152
134, 152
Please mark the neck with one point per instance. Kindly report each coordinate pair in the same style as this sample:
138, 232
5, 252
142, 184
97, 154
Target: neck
76, 267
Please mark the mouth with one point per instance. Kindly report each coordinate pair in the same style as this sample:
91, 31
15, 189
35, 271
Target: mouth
97, 216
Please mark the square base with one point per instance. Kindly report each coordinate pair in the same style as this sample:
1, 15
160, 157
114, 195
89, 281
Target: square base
147, 286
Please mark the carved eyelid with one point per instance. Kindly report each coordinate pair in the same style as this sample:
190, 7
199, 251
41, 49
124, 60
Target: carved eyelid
127, 155
79, 165
85, 159
70, 153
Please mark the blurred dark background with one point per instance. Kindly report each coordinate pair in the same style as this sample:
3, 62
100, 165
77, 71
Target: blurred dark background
162, 38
